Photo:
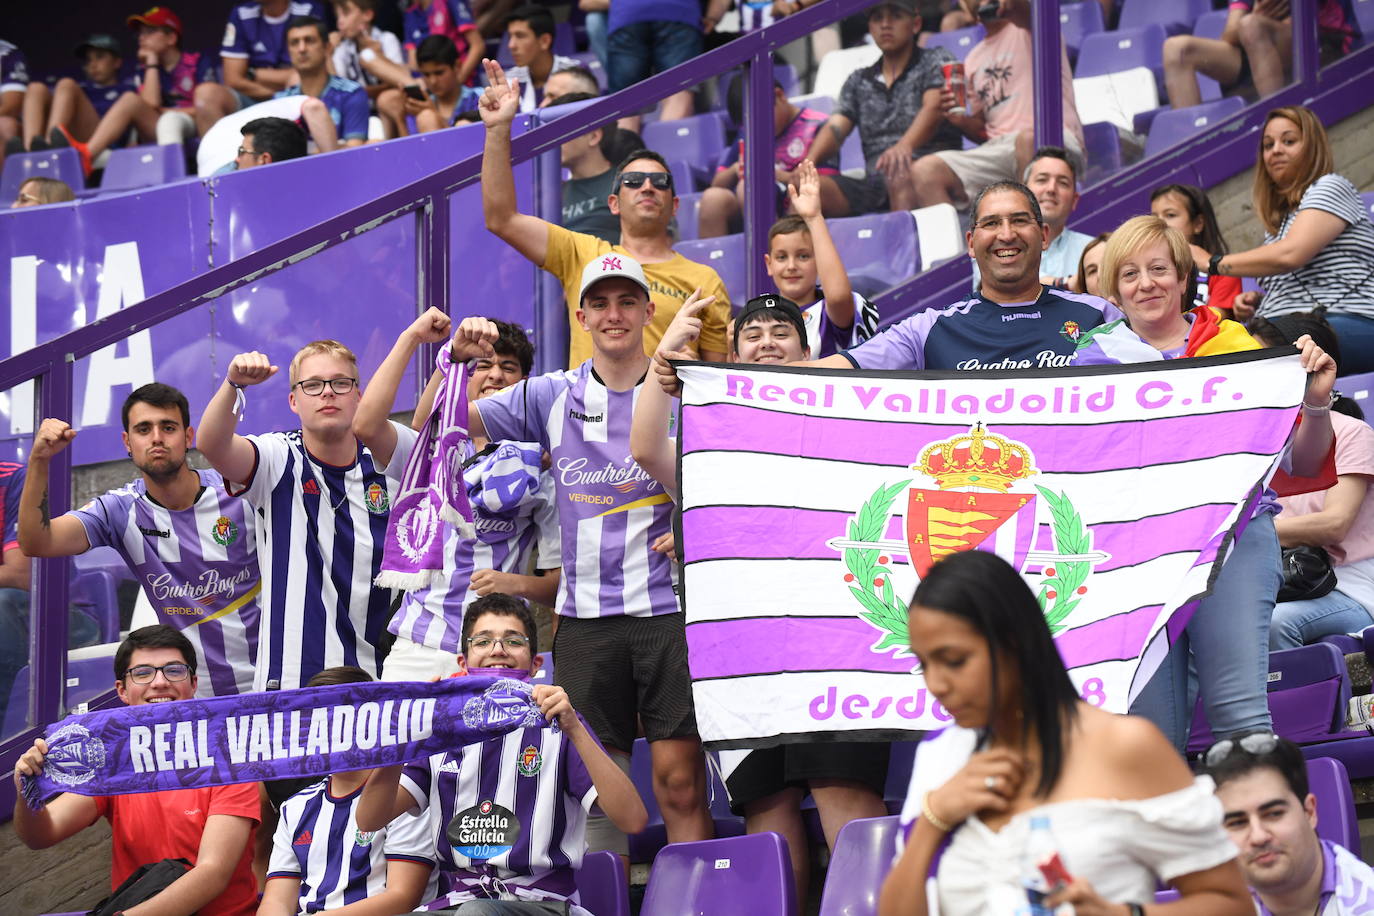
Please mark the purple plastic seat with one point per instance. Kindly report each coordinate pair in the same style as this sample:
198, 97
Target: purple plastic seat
647, 843
1102, 148
602, 886
744, 874
1210, 25
724, 255
1309, 688
1173, 127
1077, 21
684, 175
1336, 820
63, 164
87, 678
1364, 21
589, 60
879, 250
1360, 387
957, 41
1124, 49
862, 858
143, 166
1368, 198
95, 592
698, 139
1175, 16
688, 215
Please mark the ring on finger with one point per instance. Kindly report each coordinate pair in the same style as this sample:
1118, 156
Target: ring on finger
990, 782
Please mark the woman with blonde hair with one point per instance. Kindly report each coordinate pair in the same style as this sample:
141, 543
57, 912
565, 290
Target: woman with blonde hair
35, 192
1319, 243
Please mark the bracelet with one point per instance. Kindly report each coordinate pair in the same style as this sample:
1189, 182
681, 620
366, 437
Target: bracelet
1214, 270
235, 385
1322, 408
930, 815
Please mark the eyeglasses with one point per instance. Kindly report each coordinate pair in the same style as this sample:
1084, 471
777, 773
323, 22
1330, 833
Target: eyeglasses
315, 386
246, 152
173, 671
1258, 743
27, 198
510, 642
1017, 220
661, 181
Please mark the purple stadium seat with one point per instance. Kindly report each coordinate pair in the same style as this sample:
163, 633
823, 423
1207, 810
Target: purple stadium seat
1336, 821
698, 139
745, 874
957, 41
1124, 49
602, 886
1175, 16
879, 250
1210, 25
564, 41
103, 558
1345, 643
143, 166
87, 678
1364, 21
1368, 196
589, 60
95, 592
1309, 688
1077, 21
862, 858
545, 674
1173, 127
684, 174
63, 164
688, 212
724, 255
1103, 151
646, 844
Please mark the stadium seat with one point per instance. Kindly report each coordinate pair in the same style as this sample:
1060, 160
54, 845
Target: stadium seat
685, 175
852, 156
63, 164
724, 255
688, 216
589, 60
1368, 196
939, 235
784, 73
879, 250
740, 874
1336, 820
1364, 20
87, 678
1077, 21
697, 139
106, 559
564, 41
862, 858
1102, 149
646, 844
899, 765
1173, 127
602, 886
545, 674
1210, 25
1124, 49
957, 41
143, 166
1174, 16
1115, 97
1359, 388
95, 592
836, 66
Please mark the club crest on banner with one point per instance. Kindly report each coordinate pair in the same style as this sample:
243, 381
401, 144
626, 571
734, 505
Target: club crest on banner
75, 755
975, 492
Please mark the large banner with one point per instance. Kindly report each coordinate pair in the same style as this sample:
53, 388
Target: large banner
813, 500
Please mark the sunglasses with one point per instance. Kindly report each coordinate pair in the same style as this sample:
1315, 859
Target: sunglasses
662, 181
1258, 743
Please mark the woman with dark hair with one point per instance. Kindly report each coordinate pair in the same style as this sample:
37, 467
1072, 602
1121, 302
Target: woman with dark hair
1089, 264
1125, 811
1185, 207
1319, 243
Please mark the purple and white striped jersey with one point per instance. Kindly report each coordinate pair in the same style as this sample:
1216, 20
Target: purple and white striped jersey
513, 508
318, 842
321, 530
198, 567
610, 511
533, 775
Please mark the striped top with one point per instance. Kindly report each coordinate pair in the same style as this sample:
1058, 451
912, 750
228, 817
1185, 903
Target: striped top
318, 842
198, 567
610, 511
514, 512
1341, 276
320, 537
532, 776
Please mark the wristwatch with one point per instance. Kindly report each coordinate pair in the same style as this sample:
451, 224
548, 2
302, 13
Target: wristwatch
1213, 270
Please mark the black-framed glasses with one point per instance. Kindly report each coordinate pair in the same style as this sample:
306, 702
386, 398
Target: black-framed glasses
662, 181
172, 671
315, 386
1257, 743
486, 642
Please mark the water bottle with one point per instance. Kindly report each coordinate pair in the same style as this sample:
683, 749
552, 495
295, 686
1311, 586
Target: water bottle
1040, 849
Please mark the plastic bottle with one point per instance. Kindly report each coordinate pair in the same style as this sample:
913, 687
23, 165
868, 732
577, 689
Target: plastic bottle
1040, 848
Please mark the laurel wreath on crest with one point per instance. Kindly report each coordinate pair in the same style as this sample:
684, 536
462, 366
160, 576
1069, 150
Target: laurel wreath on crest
1070, 537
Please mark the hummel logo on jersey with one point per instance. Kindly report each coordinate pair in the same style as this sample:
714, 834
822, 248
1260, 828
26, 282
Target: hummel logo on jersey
586, 418
305, 839
310, 488
155, 532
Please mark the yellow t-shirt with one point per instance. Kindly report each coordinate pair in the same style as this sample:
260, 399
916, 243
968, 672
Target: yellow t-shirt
670, 283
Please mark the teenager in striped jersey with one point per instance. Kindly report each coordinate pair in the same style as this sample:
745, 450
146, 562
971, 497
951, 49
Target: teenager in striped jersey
322, 506
187, 541
508, 815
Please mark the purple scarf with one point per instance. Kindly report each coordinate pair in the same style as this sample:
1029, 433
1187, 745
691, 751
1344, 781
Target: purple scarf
313, 731
432, 491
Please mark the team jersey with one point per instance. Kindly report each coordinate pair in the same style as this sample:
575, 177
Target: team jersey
261, 39
318, 842
982, 334
530, 95
11, 486
320, 534
14, 69
610, 511
443, 17
198, 568
790, 146
179, 83
103, 97
513, 509
347, 104
349, 65
826, 338
533, 777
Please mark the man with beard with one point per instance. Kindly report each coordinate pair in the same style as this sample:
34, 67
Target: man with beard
190, 545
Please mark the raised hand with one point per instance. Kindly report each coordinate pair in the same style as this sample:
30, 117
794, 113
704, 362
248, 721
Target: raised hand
501, 101
554, 704
431, 327
805, 195
51, 438
686, 324
474, 338
1321, 370
252, 368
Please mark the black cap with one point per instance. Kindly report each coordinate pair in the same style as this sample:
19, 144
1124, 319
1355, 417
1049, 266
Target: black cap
101, 42
780, 307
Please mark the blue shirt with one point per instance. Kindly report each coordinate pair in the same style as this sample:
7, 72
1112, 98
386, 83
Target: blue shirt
982, 334
262, 41
347, 104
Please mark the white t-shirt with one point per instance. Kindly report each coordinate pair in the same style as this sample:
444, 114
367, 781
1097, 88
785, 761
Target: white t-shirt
349, 65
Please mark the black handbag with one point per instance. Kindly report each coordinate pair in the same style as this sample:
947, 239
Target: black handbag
146, 882
1307, 573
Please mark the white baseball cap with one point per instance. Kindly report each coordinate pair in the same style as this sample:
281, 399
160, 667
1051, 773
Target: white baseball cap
605, 266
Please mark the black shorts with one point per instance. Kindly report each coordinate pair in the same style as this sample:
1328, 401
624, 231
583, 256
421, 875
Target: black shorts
620, 671
865, 195
769, 770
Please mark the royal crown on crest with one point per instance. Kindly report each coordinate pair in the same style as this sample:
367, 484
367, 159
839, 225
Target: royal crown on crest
976, 459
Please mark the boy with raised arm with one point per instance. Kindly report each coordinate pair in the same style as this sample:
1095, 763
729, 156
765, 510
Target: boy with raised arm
322, 506
512, 501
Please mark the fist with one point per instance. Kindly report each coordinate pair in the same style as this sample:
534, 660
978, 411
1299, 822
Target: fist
474, 338
31, 764
51, 438
554, 704
252, 368
431, 327
491, 581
